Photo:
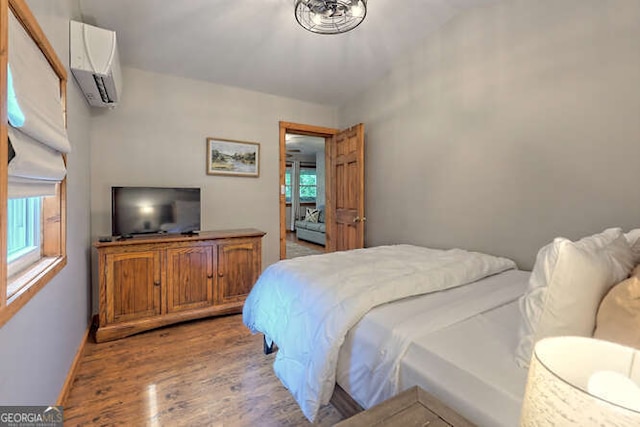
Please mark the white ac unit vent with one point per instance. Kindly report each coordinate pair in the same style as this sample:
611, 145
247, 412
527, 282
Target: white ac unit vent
95, 64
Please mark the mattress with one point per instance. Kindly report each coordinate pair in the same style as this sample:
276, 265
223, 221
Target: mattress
468, 363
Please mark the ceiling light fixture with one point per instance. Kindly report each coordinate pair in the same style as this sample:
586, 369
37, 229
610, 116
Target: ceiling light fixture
330, 16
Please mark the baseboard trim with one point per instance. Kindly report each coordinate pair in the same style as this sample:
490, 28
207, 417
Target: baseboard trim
71, 375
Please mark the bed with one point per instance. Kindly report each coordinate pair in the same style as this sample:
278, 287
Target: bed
468, 364
370, 323
306, 306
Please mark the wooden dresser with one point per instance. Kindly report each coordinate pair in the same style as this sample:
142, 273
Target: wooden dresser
148, 282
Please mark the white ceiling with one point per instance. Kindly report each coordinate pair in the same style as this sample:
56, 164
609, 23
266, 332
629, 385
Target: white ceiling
258, 45
303, 147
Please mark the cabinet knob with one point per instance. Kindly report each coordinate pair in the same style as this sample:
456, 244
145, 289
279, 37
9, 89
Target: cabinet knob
209, 276
220, 274
156, 283
356, 219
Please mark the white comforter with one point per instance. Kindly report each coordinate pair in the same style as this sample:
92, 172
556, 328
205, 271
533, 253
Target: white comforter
307, 305
381, 339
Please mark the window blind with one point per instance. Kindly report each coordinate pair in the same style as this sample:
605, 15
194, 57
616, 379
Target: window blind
35, 169
37, 129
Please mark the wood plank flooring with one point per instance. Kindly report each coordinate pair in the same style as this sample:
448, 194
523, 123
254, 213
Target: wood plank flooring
209, 372
292, 237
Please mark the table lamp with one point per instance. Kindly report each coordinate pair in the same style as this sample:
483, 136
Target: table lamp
577, 381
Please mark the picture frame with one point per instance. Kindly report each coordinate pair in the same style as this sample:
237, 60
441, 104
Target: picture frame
233, 158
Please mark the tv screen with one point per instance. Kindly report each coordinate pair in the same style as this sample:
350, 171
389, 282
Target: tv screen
154, 210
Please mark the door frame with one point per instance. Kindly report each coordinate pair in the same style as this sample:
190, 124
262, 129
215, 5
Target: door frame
298, 129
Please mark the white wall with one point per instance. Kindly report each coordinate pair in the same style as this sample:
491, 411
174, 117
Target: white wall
515, 123
39, 343
157, 136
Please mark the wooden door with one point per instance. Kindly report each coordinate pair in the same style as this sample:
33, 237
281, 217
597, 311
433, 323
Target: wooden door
345, 195
132, 288
189, 283
239, 265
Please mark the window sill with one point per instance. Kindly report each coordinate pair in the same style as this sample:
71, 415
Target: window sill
24, 285
24, 260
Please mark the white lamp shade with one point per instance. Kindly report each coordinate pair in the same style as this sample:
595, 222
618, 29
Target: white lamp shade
558, 389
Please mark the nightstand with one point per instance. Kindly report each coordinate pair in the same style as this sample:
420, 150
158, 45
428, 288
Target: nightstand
413, 407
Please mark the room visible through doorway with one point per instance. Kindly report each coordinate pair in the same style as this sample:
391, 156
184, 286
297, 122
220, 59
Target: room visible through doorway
305, 195
303, 192
335, 217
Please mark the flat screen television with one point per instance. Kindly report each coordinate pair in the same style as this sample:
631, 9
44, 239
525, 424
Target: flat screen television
154, 210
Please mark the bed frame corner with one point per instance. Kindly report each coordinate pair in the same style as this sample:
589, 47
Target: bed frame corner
266, 348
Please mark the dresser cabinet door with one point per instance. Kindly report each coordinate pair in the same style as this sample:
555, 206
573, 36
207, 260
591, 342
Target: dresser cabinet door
239, 265
189, 278
132, 285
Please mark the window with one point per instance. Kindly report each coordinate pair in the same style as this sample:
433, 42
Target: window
308, 185
23, 233
33, 166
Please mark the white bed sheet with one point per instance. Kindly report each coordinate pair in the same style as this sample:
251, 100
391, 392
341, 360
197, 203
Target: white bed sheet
469, 364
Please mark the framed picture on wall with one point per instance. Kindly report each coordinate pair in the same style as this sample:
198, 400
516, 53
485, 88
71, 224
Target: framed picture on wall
234, 158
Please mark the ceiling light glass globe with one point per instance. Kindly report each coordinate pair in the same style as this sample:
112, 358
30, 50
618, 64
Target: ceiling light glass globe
358, 10
316, 18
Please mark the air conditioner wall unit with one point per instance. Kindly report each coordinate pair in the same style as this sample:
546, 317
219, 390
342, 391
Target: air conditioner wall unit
95, 63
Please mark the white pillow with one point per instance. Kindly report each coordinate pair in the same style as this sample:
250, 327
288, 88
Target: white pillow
566, 286
633, 237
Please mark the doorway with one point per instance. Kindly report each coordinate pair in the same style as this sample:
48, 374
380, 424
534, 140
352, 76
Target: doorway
301, 147
305, 195
344, 185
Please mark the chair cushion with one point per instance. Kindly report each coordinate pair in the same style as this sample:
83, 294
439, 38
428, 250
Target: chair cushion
316, 226
321, 216
311, 226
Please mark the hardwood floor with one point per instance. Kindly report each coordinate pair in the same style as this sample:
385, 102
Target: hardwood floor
209, 372
291, 237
